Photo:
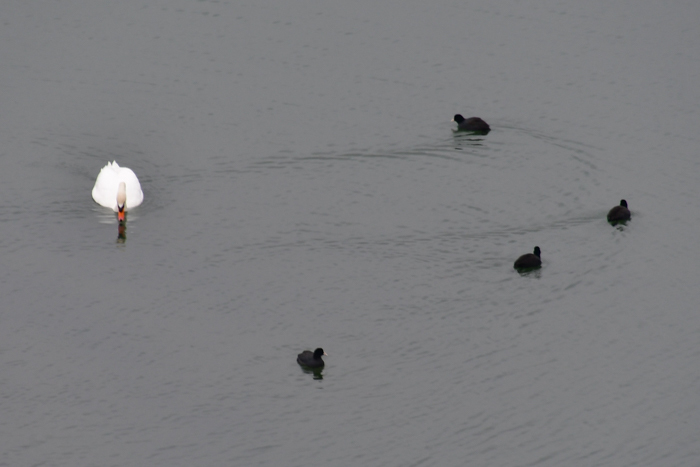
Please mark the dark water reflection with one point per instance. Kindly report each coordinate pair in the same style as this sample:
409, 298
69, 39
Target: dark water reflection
535, 273
121, 236
317, 373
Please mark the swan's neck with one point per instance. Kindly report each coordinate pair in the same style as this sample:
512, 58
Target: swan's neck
121, 196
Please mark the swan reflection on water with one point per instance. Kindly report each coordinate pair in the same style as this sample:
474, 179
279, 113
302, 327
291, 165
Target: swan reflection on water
121, 236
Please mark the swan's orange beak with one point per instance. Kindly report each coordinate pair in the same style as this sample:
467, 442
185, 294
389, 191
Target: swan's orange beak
121, 215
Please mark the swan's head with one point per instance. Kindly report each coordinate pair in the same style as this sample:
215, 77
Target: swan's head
121, 201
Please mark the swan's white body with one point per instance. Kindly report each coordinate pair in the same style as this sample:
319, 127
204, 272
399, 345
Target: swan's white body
107, 187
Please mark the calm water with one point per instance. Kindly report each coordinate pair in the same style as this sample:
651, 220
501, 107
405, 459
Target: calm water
303, 188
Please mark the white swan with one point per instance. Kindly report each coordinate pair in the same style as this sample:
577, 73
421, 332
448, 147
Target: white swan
117, 188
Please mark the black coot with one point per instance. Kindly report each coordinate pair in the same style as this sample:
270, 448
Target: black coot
619, 213
530, 260
311, 359
471, 124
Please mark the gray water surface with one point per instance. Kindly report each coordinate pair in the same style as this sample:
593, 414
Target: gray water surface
303, 188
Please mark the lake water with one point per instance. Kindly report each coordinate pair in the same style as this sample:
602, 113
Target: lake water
304, 188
